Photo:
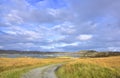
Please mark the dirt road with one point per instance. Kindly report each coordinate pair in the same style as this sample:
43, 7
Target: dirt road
42, 72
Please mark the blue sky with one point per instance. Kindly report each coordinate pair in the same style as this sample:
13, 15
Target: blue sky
60, 25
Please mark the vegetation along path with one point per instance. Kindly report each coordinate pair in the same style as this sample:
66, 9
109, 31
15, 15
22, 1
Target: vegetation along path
42, 72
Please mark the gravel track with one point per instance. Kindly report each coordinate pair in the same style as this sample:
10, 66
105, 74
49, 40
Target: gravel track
42, 72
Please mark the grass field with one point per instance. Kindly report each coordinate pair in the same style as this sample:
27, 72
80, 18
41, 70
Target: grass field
108, 67
15, 67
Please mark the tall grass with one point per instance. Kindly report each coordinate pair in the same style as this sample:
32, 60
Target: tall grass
91, 68
15, 67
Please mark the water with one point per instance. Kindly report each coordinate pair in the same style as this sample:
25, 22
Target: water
36, 55
26, 55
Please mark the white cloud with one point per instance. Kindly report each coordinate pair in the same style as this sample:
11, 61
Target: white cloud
47, 47
26, 44
24, 33
32, 35
59, 45
13, 17
114, 48
1, 47
65, 27
84, 37
66, 44
11, 32
54, 12
56, 27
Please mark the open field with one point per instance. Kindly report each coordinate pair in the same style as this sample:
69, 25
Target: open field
108, 67
104, 67
15, 67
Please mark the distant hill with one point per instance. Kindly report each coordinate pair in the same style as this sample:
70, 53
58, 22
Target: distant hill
24, 52
92, 53
83, 53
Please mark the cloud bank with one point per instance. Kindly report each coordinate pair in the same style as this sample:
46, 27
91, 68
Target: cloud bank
60, 25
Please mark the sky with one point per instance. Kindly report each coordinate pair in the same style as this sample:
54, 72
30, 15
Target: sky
60, 25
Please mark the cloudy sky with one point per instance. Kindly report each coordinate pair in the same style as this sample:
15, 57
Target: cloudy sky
60, 25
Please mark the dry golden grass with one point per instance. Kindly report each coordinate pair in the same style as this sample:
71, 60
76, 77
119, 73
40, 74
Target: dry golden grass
11, 63
107, 67
105, 61
15, 67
